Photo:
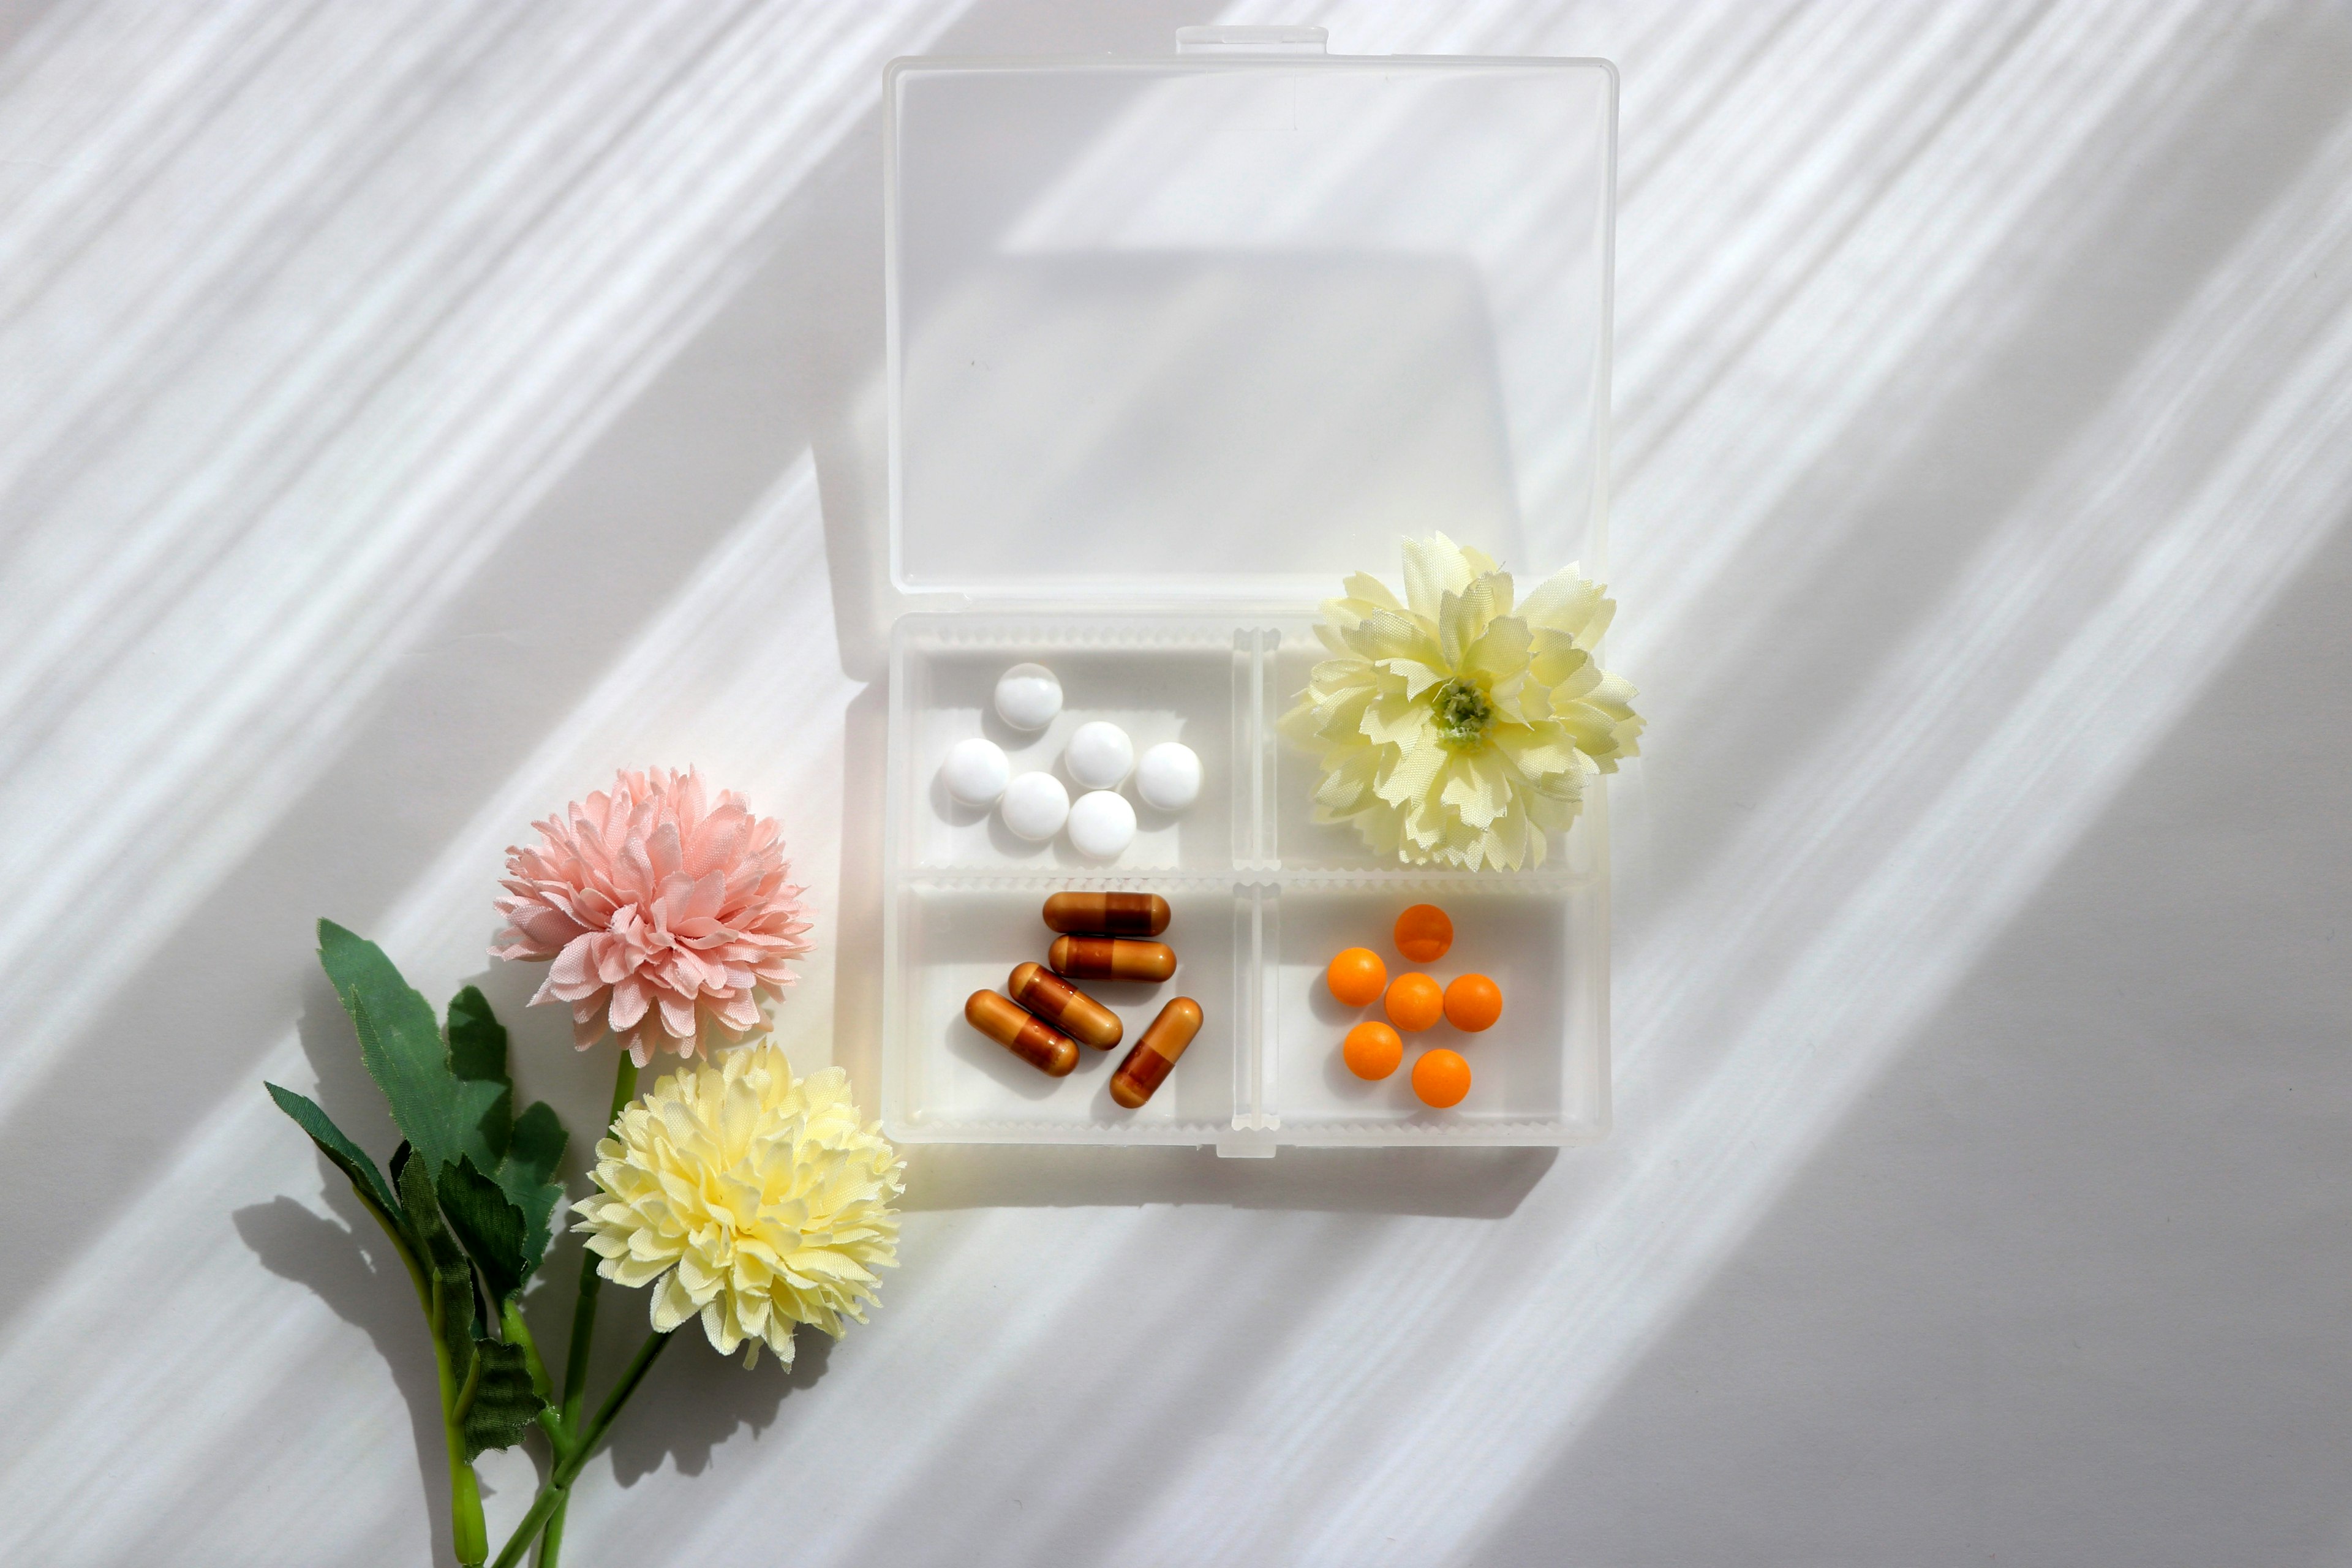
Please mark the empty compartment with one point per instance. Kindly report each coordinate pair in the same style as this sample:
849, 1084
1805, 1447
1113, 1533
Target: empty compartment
945, 1081
1158, 680
1538, 1075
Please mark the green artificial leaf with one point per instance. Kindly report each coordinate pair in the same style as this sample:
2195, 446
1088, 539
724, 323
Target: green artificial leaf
528, 1177
527, 1149
443, 1113
477, 1054
501, 1404
348, 1157
451, 1098
505, 1405
444, 1261
486, 1223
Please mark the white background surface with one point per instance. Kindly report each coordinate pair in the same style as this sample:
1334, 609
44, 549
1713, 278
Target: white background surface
412, 411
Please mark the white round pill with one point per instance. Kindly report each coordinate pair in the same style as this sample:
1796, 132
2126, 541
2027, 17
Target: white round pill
1102, 823
975, 771
1034, 806
1100, 756
1028, 696
1169, 777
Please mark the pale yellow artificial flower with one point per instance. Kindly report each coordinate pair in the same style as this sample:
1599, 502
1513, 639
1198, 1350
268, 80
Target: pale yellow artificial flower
755, 1199
1454, 729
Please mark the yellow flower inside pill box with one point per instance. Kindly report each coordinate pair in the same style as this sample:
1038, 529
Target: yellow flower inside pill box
757, 1200
1456, 727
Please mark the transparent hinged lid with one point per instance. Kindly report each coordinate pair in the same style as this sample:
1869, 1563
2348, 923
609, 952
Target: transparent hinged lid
1224, 325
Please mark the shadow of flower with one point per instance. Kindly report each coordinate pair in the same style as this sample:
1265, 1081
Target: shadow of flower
351, 1267
695, 1399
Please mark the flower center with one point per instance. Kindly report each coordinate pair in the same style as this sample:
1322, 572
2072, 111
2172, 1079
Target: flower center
1463, 714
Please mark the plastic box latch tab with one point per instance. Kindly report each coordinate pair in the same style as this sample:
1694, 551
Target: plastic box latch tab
1251, 1138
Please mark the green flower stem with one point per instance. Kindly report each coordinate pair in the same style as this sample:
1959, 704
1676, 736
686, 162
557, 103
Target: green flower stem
468, 1531
517, 1330
399, 1244
566, 1432
551, 1540
464, 1405
470, 1535
558, 1490
583, 1313
466, 1522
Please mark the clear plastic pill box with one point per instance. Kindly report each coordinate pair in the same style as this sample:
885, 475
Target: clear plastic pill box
1176, 345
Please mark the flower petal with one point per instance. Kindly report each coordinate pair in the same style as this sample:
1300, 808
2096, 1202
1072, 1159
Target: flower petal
1489, 787
1500, 650
749, 1198
653, 888
1432, 568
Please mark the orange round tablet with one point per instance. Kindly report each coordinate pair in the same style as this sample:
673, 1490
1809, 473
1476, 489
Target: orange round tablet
1473, 1003
1372, 1049
1414, 1003
1441, 1078
1423, 933
1356, 977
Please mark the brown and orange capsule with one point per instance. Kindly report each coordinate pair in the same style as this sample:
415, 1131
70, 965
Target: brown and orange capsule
1154, 1056
1107, 914
1111, 958
1032, 1039
1064, 1006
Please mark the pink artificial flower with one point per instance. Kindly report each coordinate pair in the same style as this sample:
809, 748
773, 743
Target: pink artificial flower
665, 915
